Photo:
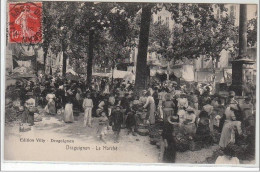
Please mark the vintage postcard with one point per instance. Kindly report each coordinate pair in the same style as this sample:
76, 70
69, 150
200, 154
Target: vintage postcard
131, 82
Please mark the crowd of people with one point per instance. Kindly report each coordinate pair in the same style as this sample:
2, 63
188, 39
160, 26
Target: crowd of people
193, 111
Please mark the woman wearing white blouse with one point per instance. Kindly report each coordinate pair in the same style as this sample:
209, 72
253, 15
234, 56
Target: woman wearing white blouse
150, 105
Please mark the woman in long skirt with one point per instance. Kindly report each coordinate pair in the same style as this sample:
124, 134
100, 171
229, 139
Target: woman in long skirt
68, 112
168, 144
168, 108
51, 107
150, 105
228, 132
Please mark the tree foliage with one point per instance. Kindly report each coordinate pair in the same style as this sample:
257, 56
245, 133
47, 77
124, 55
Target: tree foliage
252, 32
68, 25
200, 32
159, 42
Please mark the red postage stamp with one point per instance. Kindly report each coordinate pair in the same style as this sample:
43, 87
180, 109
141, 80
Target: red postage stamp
25, 22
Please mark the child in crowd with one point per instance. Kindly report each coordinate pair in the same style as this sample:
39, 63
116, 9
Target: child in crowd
131, 122
102, 126
136, 103
116, 122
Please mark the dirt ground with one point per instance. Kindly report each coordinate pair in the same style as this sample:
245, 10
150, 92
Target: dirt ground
83, 144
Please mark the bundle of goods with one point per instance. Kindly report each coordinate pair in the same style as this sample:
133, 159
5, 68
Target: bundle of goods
155, 133
186, 141
212, 159
240, 151
182, 142
76, 114
11, 114
215, 136
37, 117
142, 130
204, 140
24, 127
141, 117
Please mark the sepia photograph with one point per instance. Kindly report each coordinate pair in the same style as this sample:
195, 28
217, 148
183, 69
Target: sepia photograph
131, 82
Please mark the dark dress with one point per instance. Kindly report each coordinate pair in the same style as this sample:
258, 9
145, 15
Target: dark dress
95, 105
37, 93
156, 99
25, 115
125, 104
203, 130
169, 154
117, 120
22, 95
130, 120
60, 94
28, 115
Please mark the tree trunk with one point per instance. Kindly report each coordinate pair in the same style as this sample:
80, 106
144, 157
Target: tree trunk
237, 66
51, 70
243, 31
141, 66
90, 58
36, 62
44, 59
64, 61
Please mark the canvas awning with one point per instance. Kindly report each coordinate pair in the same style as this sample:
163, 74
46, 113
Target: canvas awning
118, 74
101, 74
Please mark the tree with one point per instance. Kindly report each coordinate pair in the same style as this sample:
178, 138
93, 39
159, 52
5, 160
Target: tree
141, 66
95, 21
252, 32
160, 35
200, 32
75, 28
57, 24
118, 40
